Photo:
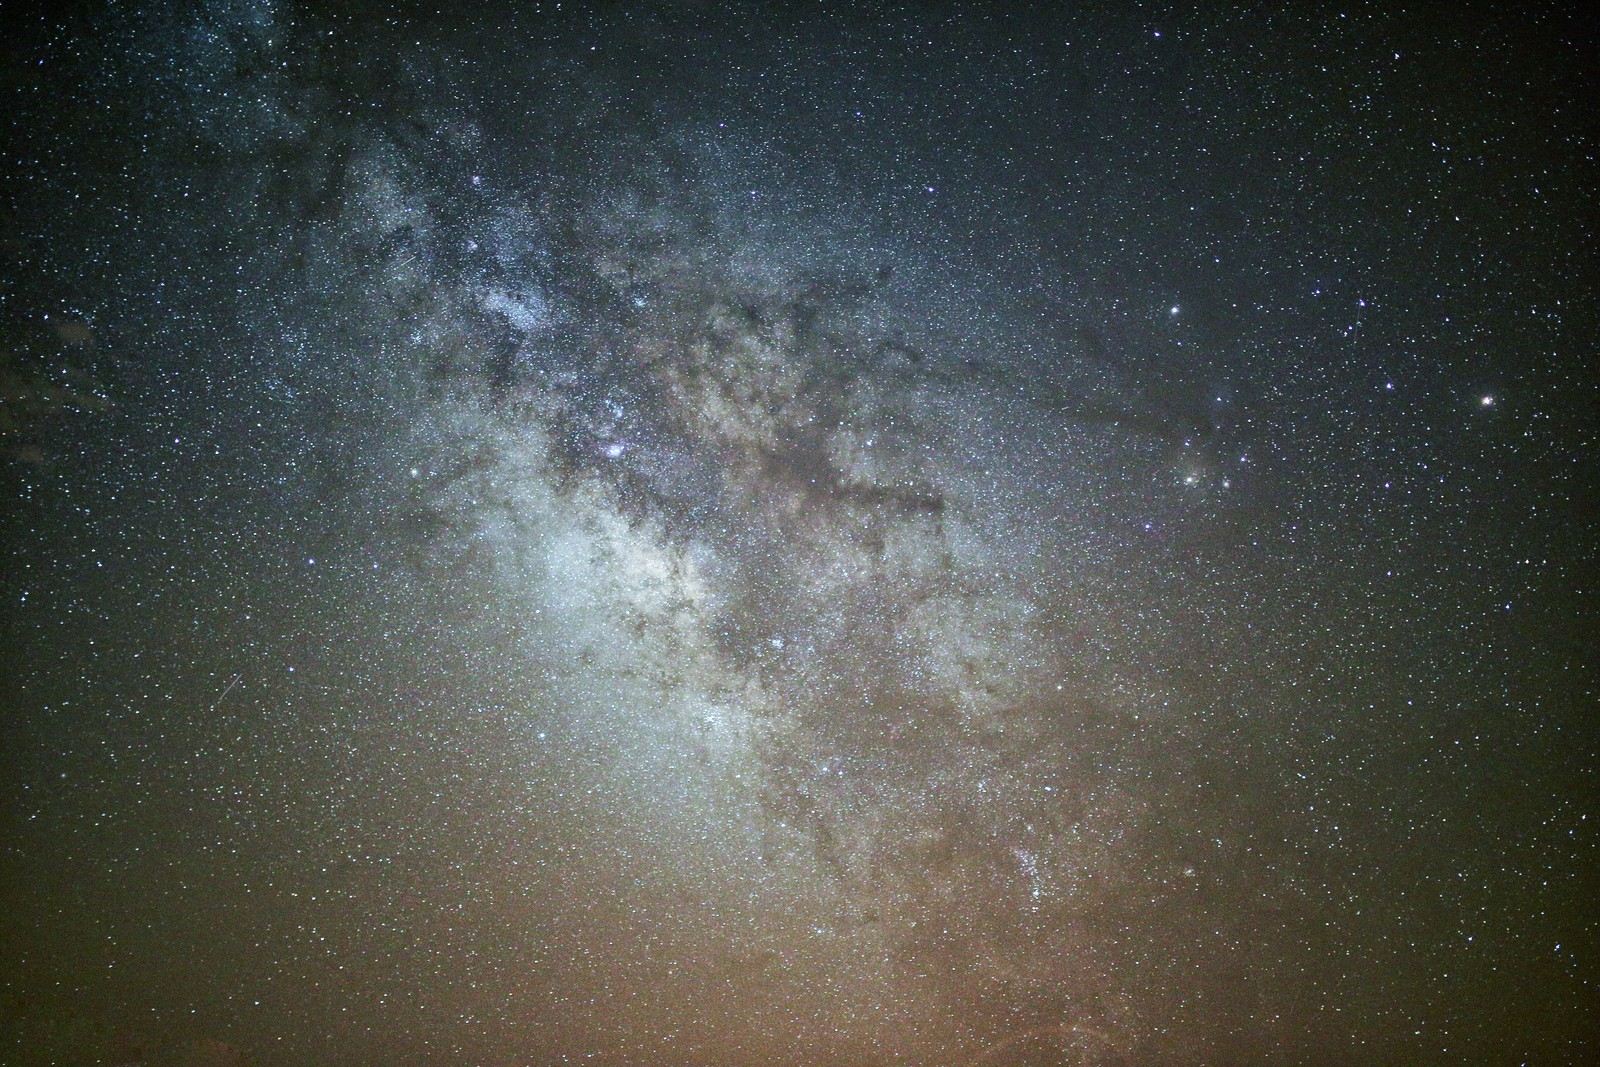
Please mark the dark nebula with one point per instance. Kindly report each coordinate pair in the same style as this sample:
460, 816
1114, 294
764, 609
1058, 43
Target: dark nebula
714, 534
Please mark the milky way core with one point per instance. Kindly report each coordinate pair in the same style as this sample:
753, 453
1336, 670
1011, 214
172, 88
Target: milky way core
655, 535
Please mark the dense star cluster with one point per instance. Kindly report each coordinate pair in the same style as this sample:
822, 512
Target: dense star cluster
683, 534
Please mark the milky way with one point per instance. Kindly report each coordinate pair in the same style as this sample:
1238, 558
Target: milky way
732, 537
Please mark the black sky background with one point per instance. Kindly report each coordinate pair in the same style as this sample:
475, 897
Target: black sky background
736, 534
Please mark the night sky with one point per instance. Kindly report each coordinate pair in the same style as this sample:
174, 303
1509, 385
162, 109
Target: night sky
729, 535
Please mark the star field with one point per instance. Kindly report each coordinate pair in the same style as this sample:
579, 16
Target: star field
742, 534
